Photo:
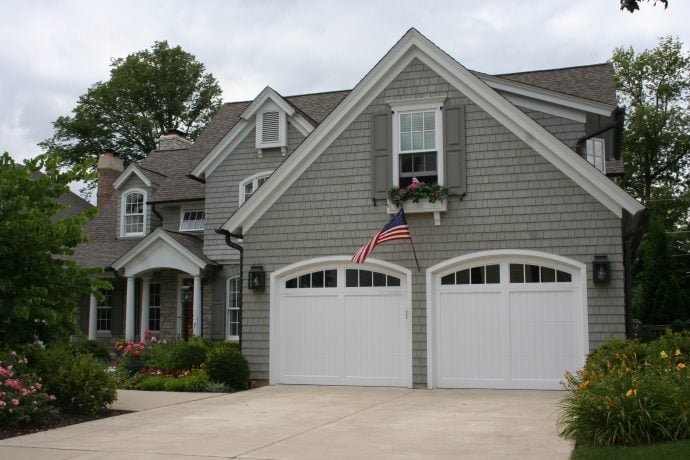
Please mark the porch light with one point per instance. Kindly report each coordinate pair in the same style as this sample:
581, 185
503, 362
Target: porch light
257, 277
600, 269
186, 293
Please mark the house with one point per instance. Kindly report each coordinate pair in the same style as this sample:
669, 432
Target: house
247, 234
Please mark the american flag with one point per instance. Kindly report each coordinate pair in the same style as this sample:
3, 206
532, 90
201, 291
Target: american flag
395, 229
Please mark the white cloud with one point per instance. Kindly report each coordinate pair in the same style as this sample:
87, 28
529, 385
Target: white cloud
54, 50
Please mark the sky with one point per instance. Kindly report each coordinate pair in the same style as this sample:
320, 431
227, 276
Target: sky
53, 51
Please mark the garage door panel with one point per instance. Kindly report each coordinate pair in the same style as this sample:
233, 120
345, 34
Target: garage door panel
472, 332
307, 350
543, 334
374, 339
521, 330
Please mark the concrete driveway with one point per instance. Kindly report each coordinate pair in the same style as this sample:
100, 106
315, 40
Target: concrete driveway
312, 422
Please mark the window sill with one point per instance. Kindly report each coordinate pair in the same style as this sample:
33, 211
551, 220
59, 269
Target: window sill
422, 206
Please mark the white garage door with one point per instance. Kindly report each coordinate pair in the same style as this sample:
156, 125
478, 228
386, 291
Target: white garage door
341, 325
507, 323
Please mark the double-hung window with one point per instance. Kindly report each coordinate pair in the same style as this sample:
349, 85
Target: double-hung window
417, 141
104, 312
232, 302
155, 306
133, 213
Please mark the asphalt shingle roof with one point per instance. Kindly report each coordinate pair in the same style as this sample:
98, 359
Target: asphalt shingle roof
169, 169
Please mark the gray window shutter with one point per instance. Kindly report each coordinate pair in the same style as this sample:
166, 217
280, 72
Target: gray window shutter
454, 149
381, 155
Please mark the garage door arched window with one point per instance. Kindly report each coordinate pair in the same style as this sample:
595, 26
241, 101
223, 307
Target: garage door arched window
369, 278
528, 273
318, 279
483, 274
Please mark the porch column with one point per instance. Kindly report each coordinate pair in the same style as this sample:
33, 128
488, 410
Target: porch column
129, 314
145, 303
196, 306
93, 312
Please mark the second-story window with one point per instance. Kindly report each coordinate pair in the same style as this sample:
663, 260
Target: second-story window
133, 213
250, 185
193, 220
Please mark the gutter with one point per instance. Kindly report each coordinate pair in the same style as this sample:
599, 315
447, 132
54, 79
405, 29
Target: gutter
240, 249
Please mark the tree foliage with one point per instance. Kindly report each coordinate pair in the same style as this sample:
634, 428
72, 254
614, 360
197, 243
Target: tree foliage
633, 5
148, 93
39, 286
654, 85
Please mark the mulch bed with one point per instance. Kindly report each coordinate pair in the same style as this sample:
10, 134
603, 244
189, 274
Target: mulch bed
59, 422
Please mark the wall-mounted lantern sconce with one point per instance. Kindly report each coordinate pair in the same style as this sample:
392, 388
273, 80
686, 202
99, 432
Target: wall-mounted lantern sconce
186, 293
257, 277
601, 269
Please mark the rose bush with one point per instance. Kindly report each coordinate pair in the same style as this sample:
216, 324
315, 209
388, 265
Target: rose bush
23, 400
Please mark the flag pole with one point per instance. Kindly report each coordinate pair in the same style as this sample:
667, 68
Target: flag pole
411, 243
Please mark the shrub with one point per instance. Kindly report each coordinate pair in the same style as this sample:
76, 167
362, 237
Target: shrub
630, 393
23, 400
192, 381
97, 349
81, 384
172, 356
227, 365
216, 387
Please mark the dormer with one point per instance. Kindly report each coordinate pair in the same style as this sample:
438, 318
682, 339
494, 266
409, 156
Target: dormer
271, 113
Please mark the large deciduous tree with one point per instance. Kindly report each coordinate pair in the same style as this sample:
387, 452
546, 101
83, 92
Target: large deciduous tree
654, 85
148, 93
633, 5
39, 285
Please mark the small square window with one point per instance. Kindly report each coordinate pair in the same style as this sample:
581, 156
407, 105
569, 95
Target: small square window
532, 273
493, 274
379, 279
517, 273
192, 221
365, 278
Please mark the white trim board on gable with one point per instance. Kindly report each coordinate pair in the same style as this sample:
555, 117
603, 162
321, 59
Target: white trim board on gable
414, 45
244, 126
159, 256
131, 169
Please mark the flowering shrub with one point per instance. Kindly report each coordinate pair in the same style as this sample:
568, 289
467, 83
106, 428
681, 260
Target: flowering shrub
630, 393
23, 401
80, 382
416, 191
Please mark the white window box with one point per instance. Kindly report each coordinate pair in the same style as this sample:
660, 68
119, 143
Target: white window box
421, 206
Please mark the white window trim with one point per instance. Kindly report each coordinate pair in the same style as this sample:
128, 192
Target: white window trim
99, 307
227, 306
123, 206
197, 208
417, 105
590, 146
249, 179
270, 106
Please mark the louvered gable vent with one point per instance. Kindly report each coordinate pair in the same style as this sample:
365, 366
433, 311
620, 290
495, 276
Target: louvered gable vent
270, 128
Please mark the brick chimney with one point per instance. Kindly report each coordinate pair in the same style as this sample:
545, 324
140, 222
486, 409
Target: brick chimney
109, 168
174, 139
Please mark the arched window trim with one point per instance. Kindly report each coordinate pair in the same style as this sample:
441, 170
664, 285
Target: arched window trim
123, 210
253, 179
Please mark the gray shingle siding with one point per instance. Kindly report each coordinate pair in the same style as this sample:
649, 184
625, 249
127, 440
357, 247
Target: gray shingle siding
222, 187
515, 200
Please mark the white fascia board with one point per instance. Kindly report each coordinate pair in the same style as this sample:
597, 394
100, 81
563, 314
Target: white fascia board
266, 94
553, 97
547, 107
301, 123
222, 149
324, 134
131, 169
529, 131
158, 234
415, 45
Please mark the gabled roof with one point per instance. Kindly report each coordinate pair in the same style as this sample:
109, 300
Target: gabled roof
147, 177
239, 131
414, 45
164, 249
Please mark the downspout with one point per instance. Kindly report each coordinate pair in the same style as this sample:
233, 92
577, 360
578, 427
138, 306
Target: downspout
240, 249
618, 121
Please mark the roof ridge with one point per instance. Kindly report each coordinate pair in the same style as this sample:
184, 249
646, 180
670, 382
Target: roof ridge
556, 69
319, 93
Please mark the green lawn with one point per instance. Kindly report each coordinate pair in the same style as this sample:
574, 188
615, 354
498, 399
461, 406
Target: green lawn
661, 451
